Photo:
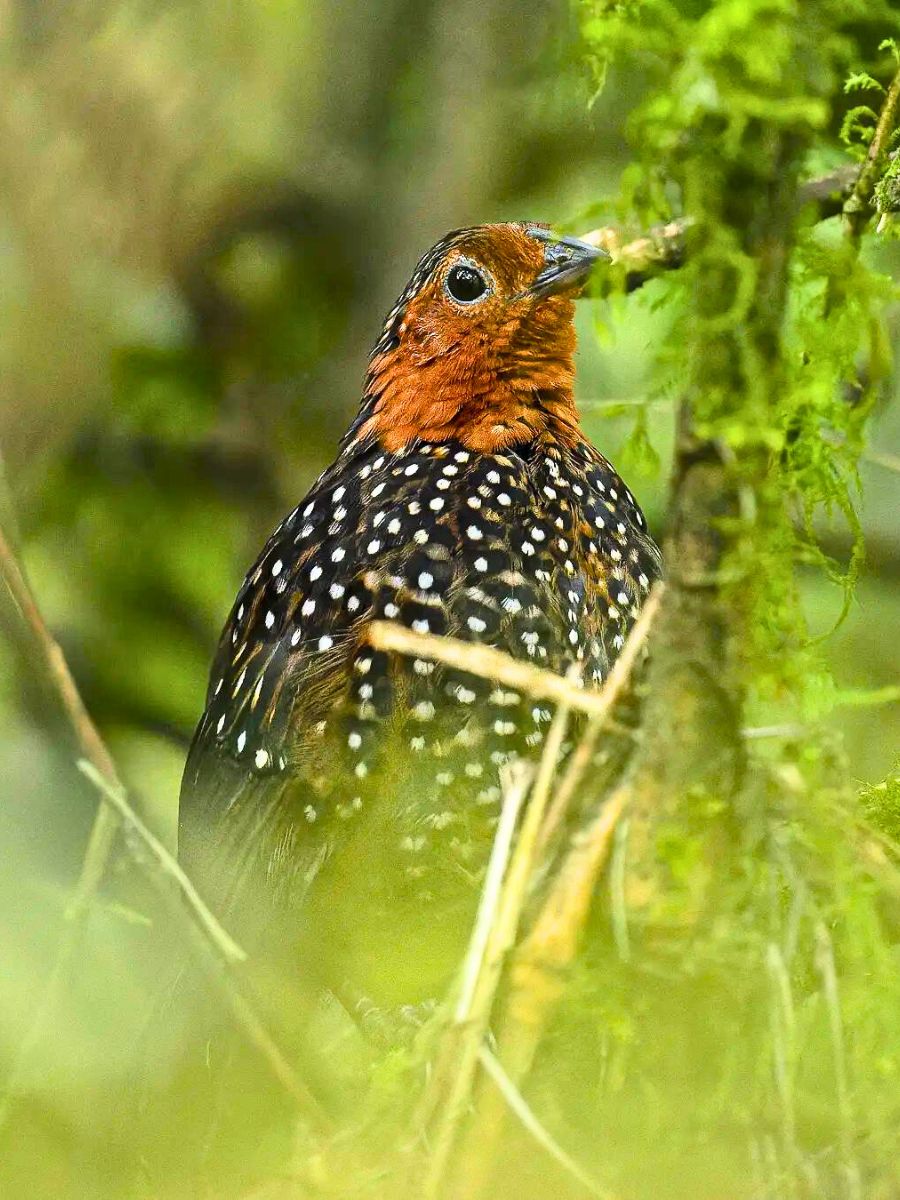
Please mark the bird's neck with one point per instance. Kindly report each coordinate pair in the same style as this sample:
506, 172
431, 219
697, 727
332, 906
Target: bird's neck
484, 403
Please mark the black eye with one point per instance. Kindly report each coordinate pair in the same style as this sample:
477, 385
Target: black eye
465, 284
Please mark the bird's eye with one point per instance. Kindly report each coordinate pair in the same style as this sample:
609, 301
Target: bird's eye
465, 284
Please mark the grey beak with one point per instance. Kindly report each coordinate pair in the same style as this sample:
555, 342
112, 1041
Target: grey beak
568, 262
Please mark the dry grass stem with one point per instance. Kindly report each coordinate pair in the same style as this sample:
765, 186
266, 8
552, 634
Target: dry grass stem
523, 1111
56, 671
452, 1082
516, 782
536, 983
828, 971
515, 790
538, 966
463, 1042
608, 696
537, 970
784, 1051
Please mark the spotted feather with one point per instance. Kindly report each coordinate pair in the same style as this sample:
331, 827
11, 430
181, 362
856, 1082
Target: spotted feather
524, 539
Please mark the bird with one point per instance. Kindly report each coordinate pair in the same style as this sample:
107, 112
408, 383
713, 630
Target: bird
339, 802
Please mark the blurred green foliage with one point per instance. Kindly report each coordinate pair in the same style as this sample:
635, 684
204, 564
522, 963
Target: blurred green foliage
205, 211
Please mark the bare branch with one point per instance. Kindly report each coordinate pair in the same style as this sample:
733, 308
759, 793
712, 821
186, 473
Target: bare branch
661, 248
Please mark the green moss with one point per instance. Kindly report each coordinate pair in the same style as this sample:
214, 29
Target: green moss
754, 1018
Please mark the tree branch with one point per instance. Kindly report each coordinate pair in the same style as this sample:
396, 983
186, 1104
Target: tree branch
849, 190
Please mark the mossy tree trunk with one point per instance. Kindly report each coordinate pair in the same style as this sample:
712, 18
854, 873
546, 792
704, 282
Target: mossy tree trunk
725, 500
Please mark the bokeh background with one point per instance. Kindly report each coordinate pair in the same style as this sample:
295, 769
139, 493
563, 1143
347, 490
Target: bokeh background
205, 210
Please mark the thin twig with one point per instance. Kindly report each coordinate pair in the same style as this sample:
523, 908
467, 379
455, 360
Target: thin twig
514, 794
784, 1054
489, 663
661, 248
618, 906
165, 864
593, 403
825, 962
516, 782
790, 730
215, 948
538, 966
532, 841
535, 1127
537, 970
90, 743
8, 519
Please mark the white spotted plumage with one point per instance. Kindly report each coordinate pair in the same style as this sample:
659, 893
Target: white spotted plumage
541, 553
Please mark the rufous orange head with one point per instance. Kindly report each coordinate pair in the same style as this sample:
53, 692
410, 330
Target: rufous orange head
480, 346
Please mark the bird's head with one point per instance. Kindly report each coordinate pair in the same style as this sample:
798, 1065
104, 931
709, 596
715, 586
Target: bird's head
480, 346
